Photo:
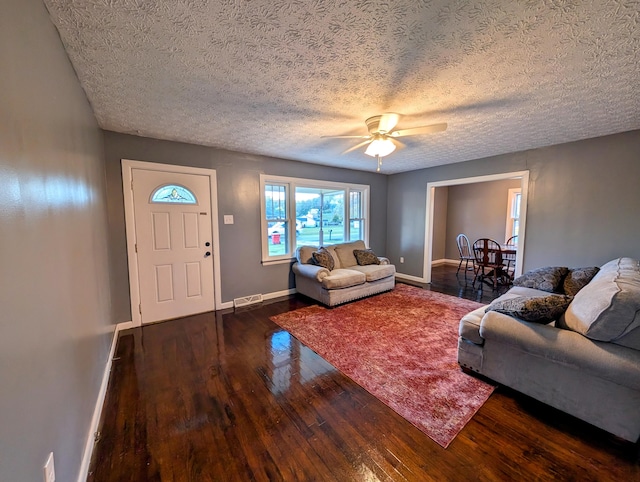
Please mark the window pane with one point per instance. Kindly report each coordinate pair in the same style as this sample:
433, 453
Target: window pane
356, 229
320, 216
333, 218
516, 205
275, 201
277, 235
355, 205
173, 193
356, 221
308, 206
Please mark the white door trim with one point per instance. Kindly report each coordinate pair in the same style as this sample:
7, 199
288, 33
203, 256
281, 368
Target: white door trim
430, 211
127, 179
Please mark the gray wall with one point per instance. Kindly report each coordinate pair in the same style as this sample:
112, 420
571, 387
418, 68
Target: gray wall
55, 328
238, 178
478, 210
582, 208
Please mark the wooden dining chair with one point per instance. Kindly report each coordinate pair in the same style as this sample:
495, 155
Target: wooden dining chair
510, 259
489, 262
464, 248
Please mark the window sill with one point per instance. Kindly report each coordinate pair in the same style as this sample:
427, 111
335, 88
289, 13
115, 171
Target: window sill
277, 261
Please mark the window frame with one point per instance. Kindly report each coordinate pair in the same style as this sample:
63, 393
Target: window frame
291, 183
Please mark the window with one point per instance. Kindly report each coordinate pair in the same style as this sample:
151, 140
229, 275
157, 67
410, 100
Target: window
298, 212
513, 214
174, 194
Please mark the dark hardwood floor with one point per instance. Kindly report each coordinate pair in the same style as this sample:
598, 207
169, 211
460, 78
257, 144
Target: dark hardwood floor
229, 396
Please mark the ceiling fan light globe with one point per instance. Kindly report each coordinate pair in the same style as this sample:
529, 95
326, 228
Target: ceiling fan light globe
380, 147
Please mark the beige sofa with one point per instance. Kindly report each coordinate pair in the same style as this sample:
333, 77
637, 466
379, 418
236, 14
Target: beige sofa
347, 281
586, 363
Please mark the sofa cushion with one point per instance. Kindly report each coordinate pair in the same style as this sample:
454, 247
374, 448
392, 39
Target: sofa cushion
543, 309
374, 272
304, 254
323, 258
343, 278
608, 307
365, 257
546, 279
577, 278
345, 253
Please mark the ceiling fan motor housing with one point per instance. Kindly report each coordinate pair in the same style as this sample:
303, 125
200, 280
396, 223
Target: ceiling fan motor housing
373, 124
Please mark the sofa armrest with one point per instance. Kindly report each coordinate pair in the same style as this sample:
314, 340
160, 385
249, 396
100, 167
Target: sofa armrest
311, 271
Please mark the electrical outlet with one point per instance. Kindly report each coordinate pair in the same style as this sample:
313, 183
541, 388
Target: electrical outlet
401, 259
49, 470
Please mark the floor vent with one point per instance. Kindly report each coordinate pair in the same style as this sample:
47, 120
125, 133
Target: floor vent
247, 300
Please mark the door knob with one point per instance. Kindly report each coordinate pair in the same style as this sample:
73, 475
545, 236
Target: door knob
208, 253
207, 243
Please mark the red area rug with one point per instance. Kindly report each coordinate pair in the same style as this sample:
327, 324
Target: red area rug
401, 346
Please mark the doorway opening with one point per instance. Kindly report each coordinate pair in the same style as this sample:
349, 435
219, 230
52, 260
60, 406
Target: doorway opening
523, 176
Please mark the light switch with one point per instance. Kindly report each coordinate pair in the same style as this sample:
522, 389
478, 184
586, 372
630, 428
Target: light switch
228, 219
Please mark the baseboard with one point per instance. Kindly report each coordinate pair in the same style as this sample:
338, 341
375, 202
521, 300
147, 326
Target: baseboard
278, 294
266, 296
97, 410
408, 277
437, 262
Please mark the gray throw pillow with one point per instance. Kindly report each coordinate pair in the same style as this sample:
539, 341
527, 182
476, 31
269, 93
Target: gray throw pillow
542, 309
544, 279
578, 278
323, 258
365, 257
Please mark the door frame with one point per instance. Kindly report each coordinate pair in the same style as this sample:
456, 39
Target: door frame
430, 211
132, 257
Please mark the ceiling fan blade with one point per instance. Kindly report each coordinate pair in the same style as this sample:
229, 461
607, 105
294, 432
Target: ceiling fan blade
387, 122
419, 130
357, 146
345, 137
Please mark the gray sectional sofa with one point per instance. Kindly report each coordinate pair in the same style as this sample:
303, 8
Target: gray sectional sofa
347, 281
585, 363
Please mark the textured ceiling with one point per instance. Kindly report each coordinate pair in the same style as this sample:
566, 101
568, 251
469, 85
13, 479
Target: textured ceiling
271, 76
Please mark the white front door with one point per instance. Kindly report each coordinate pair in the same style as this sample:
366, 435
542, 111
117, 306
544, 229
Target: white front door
172, 213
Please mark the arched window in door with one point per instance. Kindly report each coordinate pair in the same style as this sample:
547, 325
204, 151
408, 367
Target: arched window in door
173, 194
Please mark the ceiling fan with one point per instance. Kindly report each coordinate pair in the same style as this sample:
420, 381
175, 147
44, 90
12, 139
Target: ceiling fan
382, 138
